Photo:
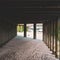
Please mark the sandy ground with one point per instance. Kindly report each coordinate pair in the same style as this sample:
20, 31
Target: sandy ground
21, 48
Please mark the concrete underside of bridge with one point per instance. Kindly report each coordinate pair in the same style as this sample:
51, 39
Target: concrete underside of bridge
15, 12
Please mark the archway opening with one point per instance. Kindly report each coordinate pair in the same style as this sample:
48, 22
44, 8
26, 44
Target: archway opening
39, 31
20, 30
30, 30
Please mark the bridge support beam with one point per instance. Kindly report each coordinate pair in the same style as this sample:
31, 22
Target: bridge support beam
34, 30
25, 30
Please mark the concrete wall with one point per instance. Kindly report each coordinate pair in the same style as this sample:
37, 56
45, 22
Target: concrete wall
7, 32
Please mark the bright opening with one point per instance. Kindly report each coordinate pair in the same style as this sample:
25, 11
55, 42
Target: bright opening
20, 30
30, 30
39, 31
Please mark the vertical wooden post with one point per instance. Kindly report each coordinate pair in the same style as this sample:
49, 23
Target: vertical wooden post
49, 35
53, 38
34, 30
56, 36
25, 30
46, 33
43, 31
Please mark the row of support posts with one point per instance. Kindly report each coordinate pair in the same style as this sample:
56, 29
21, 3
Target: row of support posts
50, 35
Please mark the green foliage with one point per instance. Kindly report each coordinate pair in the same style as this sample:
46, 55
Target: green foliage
26, 28
20, 28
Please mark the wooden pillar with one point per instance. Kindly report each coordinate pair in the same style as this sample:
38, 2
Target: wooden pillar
24, 30
43, 31
53, 38
34, 30
49, 35
46, 33
56, 36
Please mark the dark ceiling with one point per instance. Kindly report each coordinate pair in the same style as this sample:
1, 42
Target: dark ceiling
36, 10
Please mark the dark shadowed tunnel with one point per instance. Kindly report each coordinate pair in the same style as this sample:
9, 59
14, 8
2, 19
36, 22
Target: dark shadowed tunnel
26, 12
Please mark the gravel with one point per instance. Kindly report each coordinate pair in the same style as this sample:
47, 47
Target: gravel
20, 48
